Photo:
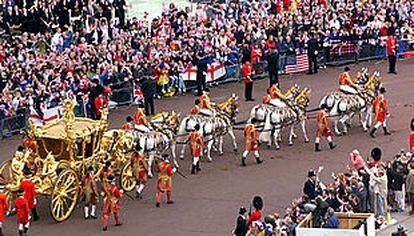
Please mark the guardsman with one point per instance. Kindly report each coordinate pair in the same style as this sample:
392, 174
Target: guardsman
323, 129
412, 137
90, 191
4, 207
392, 48
112, 203
29, 192
103, 175
196, 145
257, 214
139, 170
248, 71
164, 183
251, 143
23, 212
140, 117
196, 108
381, 113
129, 125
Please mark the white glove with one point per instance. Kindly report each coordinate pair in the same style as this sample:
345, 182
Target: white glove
316, 52
35, 201
122, 191
174, 169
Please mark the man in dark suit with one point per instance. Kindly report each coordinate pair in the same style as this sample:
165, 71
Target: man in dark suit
241, 226
201, 63
273, 66
313, 48
95, 90
310, 186
149, 88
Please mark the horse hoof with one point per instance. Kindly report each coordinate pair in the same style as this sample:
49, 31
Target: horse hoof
221, 153
181, 158
210, 160
268, 146
290, 144
277, 148
235, 150
307, 140
150, 176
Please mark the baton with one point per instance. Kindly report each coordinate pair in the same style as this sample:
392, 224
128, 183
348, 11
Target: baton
181, 174
128, 195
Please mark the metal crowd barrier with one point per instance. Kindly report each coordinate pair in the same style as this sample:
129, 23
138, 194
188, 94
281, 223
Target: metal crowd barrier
13, 124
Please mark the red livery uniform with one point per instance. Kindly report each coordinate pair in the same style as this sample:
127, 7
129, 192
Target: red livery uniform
29, 143
345, 79
250, 144
205, 102
30, 195
90, 190
103, 174
23, 214
4, 207
195, 110
100, 103
323, 130
255, 216
112, 204
140, 118
248, 72
139, 171
266, 100
127, 126
380, 108
412, 142
164, 183
275, 92
196, 145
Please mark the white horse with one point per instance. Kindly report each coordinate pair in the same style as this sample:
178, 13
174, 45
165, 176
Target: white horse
212, 128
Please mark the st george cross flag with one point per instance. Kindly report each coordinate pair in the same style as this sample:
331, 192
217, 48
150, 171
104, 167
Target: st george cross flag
215, 71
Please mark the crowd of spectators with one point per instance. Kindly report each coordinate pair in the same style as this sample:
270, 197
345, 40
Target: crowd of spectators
367, 187
50, 50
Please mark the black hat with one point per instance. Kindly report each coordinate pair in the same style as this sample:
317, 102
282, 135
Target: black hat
412, 124
137, 148
347, 68
197, 101
323, 106
258, 202
20, 192
311, 173
165, 156
382, 90
206, 90
129, 119
20, 148
242, 210
376, 154
26, 171
110, 178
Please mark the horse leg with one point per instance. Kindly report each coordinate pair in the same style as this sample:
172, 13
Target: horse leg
221, 145
183, 151
291, 135
305, 135
209, 145
336, 127
172, 147
343, 122
276, 135
150, 161
233, 138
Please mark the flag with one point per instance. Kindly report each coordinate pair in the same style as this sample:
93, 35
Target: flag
215, 71
301, 65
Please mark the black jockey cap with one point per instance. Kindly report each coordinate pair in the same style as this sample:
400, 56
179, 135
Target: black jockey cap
129, 119
137, 148
165, 157
207, 90
111, 178
90, 169
253, 120
323, 106
197, 127
197, 101
376, 154
258, 202
242, 210
20, 148
382, 90
20, 192
412, 124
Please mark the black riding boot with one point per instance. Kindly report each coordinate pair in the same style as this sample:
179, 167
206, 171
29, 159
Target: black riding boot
34, 214
193, 169
258, 161
317, 149
386, 132
331, 145
243, 161
373, 132
1, 232
198, 166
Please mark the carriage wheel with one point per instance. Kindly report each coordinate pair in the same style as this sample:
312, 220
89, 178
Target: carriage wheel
5, 172
64, 195
127, 180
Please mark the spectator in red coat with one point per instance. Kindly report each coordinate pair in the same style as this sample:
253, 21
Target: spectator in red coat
29, 192
23, 212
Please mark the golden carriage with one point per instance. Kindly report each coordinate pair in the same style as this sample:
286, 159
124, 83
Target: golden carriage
63, 151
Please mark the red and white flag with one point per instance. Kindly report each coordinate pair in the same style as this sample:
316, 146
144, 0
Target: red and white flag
301, 65
215, 71
49, 115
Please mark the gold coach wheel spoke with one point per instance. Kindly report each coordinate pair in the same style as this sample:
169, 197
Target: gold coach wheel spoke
5, 172
65, 195
127, 181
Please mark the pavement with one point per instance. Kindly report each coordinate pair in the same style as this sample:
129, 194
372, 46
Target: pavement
207, 204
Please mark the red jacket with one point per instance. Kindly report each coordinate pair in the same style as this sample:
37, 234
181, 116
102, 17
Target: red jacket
247, 73
100, 103
4, 206
391, 45
112, 201
29, 192
412, 142
255, 216
196, 142
22, 209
